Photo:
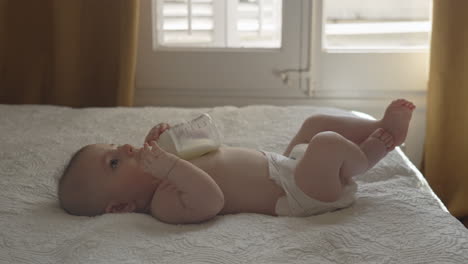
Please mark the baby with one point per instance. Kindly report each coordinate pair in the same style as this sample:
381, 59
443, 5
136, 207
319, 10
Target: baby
103, 178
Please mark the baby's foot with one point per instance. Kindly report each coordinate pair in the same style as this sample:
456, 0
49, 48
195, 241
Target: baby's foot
396, 119
377, 145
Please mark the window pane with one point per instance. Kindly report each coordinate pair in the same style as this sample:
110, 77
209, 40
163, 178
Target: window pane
202, 10
175, 24
183, 37
377, 24
259, 23
220, 23
202, 24
175, 9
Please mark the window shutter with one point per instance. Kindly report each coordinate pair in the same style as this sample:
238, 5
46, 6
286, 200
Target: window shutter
220, 23
259, 23
187, 22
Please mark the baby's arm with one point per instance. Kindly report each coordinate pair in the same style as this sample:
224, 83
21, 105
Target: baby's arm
196, 196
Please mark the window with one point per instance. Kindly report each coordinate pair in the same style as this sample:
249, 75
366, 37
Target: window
377, 24
212, 52
370, 48
203, 63
219, 23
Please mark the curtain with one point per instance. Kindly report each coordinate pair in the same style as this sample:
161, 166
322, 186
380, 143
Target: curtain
446, 144
68, 52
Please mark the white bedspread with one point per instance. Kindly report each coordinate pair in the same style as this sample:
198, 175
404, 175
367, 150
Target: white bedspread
396, 218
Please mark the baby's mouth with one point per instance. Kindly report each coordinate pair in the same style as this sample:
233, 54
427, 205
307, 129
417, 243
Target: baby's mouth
136, 150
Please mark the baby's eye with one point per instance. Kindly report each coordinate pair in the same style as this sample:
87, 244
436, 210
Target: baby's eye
114, 163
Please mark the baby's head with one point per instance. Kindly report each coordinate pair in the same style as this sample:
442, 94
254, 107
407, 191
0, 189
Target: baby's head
104, 178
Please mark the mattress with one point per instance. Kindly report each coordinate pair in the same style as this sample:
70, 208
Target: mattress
395, 219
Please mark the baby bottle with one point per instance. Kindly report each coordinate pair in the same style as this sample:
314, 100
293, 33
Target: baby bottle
191, 139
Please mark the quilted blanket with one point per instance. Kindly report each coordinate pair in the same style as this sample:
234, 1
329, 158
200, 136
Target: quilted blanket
396, 218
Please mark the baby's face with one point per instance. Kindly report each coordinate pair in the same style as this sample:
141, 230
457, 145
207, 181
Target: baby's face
118, 171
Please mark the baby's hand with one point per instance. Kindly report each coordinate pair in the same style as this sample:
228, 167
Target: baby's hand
156, 131
156, 161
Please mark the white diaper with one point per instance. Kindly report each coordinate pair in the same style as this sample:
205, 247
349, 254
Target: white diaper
296, 202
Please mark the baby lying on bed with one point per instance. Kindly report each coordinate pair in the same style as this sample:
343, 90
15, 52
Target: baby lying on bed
103, 178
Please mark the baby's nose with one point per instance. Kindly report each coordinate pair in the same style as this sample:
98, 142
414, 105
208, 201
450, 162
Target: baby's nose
128, 149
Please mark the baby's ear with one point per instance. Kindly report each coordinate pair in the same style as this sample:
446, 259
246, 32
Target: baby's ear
120, 207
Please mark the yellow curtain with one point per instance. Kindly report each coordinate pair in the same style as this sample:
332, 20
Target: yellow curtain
68, 52
446, 147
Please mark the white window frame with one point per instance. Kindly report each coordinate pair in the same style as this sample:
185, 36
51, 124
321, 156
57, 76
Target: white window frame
224, 31
376, 73
320, 75
262, 83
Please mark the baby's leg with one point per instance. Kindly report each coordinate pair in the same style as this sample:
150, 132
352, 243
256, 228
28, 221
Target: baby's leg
352, 128
331, 160
396, 121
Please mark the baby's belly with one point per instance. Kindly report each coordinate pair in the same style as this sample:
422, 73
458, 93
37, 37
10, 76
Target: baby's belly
242, 174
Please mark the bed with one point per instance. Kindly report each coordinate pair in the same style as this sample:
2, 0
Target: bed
395, 219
